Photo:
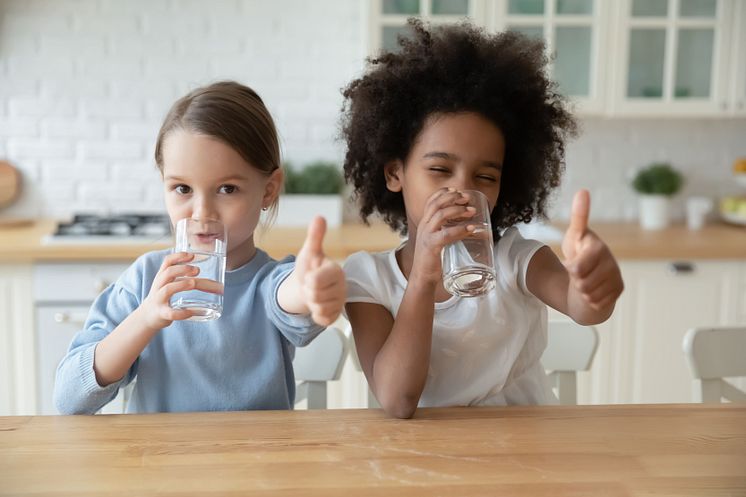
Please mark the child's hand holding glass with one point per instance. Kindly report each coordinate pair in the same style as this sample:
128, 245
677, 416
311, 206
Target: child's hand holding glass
436, 230
175, 275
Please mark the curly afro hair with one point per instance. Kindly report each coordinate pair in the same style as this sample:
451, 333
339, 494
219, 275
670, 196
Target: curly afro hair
451, 69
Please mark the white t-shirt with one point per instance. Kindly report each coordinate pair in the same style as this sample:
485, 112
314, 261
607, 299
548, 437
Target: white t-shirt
485, 350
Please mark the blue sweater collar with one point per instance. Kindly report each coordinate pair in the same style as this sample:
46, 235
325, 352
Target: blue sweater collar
248, 270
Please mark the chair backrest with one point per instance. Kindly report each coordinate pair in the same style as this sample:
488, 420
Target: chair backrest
372, 401
318, 362
715, 353
570, 348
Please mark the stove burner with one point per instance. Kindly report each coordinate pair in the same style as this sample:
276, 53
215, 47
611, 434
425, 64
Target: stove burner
121, 225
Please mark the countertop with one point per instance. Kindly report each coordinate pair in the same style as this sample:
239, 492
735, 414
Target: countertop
626, 240
633, 450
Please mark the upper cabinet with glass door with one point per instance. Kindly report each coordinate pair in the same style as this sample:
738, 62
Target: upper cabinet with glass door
389, 17
673, 57
574, 39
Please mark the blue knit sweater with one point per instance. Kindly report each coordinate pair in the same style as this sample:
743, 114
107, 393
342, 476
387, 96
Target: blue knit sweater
241, 361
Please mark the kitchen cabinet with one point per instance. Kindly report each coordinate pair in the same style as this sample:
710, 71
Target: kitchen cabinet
63, 294
640, 357
631, 58
673, 57
17, 358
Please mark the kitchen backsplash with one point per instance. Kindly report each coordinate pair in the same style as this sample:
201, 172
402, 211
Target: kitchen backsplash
86, 83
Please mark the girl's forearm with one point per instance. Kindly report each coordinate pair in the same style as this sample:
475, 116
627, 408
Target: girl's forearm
401, 366
116, 353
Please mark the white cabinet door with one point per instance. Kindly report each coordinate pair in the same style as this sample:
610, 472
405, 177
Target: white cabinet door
56, 326
665, 300
640, 357
63, 293
17, 358
674, 57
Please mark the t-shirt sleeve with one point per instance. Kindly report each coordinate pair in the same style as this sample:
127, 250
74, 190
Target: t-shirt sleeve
362, 278
513, 254
76, 390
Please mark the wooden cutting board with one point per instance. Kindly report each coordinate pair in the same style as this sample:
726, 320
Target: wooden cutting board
10, 183
10, 189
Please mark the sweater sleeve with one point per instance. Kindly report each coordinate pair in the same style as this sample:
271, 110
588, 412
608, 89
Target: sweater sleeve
76, 390
298, 329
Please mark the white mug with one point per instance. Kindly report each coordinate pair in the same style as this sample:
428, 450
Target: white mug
697, 209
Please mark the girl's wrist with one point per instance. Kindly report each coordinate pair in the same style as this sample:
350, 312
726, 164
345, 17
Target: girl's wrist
140, 315
422, 281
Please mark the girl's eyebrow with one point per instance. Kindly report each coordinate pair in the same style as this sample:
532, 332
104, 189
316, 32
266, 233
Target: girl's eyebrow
231, 178
440, 155
220, 180
455, 158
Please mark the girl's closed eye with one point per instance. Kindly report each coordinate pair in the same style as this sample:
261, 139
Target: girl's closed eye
439, 169
487, 177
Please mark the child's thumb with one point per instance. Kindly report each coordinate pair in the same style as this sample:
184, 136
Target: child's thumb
315, 239
581, 208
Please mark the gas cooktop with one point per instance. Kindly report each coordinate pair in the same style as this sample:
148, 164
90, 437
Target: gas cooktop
115, 228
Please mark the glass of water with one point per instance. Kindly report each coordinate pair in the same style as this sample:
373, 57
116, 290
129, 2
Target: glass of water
207, 240
469, 264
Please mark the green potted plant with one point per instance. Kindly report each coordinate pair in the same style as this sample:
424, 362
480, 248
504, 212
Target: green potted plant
312, 190
656, 184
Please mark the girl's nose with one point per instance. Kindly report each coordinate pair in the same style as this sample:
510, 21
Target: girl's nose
463, 185
203, 208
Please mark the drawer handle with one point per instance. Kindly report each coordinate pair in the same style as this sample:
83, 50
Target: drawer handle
71, 318
681, 267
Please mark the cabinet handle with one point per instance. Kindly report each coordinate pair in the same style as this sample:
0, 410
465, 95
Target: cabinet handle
71, 318
681, 267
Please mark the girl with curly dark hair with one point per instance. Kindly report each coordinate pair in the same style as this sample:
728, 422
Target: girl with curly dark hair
458, 109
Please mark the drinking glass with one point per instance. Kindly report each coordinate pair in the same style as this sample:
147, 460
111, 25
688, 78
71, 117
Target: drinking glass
468, 264
207, 240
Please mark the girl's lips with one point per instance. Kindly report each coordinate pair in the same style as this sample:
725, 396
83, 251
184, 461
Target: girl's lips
206, 237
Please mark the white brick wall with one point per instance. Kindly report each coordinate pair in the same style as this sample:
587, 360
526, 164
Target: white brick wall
84, 85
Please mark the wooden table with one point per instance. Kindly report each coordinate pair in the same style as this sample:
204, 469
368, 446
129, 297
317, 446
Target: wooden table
681, 450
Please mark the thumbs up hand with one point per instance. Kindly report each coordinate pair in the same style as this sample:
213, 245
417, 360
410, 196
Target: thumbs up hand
317, 284
311, 255
595, 278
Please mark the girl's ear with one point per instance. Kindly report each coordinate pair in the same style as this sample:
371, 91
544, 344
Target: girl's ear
393, 172
273, 187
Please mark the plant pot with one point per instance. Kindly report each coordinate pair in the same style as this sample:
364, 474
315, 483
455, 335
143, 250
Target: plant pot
298, 210
654, 212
